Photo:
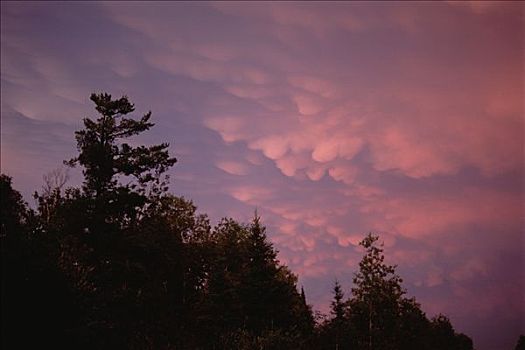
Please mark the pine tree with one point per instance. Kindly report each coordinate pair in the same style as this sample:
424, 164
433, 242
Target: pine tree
337, 304
338, 312
117, 248
103, 158
376, 297
259, 277
106, 160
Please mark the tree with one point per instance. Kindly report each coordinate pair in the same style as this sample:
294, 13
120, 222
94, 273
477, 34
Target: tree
118, 248
14, 270
34, 295
269, 289
251, 300
521, 343
338, 325
376, 297
306, 319
106, 160
337, 305
259, 277
444, 337
103, 158
413, 326
14, 213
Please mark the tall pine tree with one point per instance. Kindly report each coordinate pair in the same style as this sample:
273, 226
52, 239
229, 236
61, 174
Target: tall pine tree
106, 160
376, 299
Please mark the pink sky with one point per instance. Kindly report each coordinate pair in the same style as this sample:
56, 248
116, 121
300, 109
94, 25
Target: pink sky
332, 119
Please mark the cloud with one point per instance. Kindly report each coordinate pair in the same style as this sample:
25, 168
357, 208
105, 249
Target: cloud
233, 167
250, 194
479, 7
314, 85
472, 268
429, 215
307, 105
310, 17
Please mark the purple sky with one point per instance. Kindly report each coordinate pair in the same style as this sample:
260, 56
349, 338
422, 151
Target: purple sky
332, 119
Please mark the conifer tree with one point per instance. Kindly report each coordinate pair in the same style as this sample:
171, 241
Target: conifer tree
107, 161
117, 249
337, 304
376, 297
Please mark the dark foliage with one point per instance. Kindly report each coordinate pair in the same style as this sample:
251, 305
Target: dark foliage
521, 343
38, 308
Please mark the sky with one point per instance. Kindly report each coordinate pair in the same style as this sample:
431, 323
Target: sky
332, 119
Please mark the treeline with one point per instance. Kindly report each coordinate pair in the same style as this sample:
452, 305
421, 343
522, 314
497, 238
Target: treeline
121, 263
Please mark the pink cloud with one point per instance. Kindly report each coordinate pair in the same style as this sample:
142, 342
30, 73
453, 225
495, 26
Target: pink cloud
426, 215
316, 174
228, 127
302, 17
478, 7
250, 194
325, 151
472, 268
344, 238
434, 278
233, 167
288, 228
411, 258
344, 174
273, 147
395, 149
307, 105
418, 149
290, 164
253, 91
218, 51
314, 85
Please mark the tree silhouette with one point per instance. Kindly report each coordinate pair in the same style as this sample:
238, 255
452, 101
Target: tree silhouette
338, 305
107, 160
444, 337
37, 307
14, 214
376, 297
337, 329
521, 343
103, 158
117, 245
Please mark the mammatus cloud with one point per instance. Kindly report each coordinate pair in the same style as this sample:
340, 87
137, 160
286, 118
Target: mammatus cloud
233, 167
332, 120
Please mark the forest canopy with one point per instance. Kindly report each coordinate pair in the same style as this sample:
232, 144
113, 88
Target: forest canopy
122, 263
